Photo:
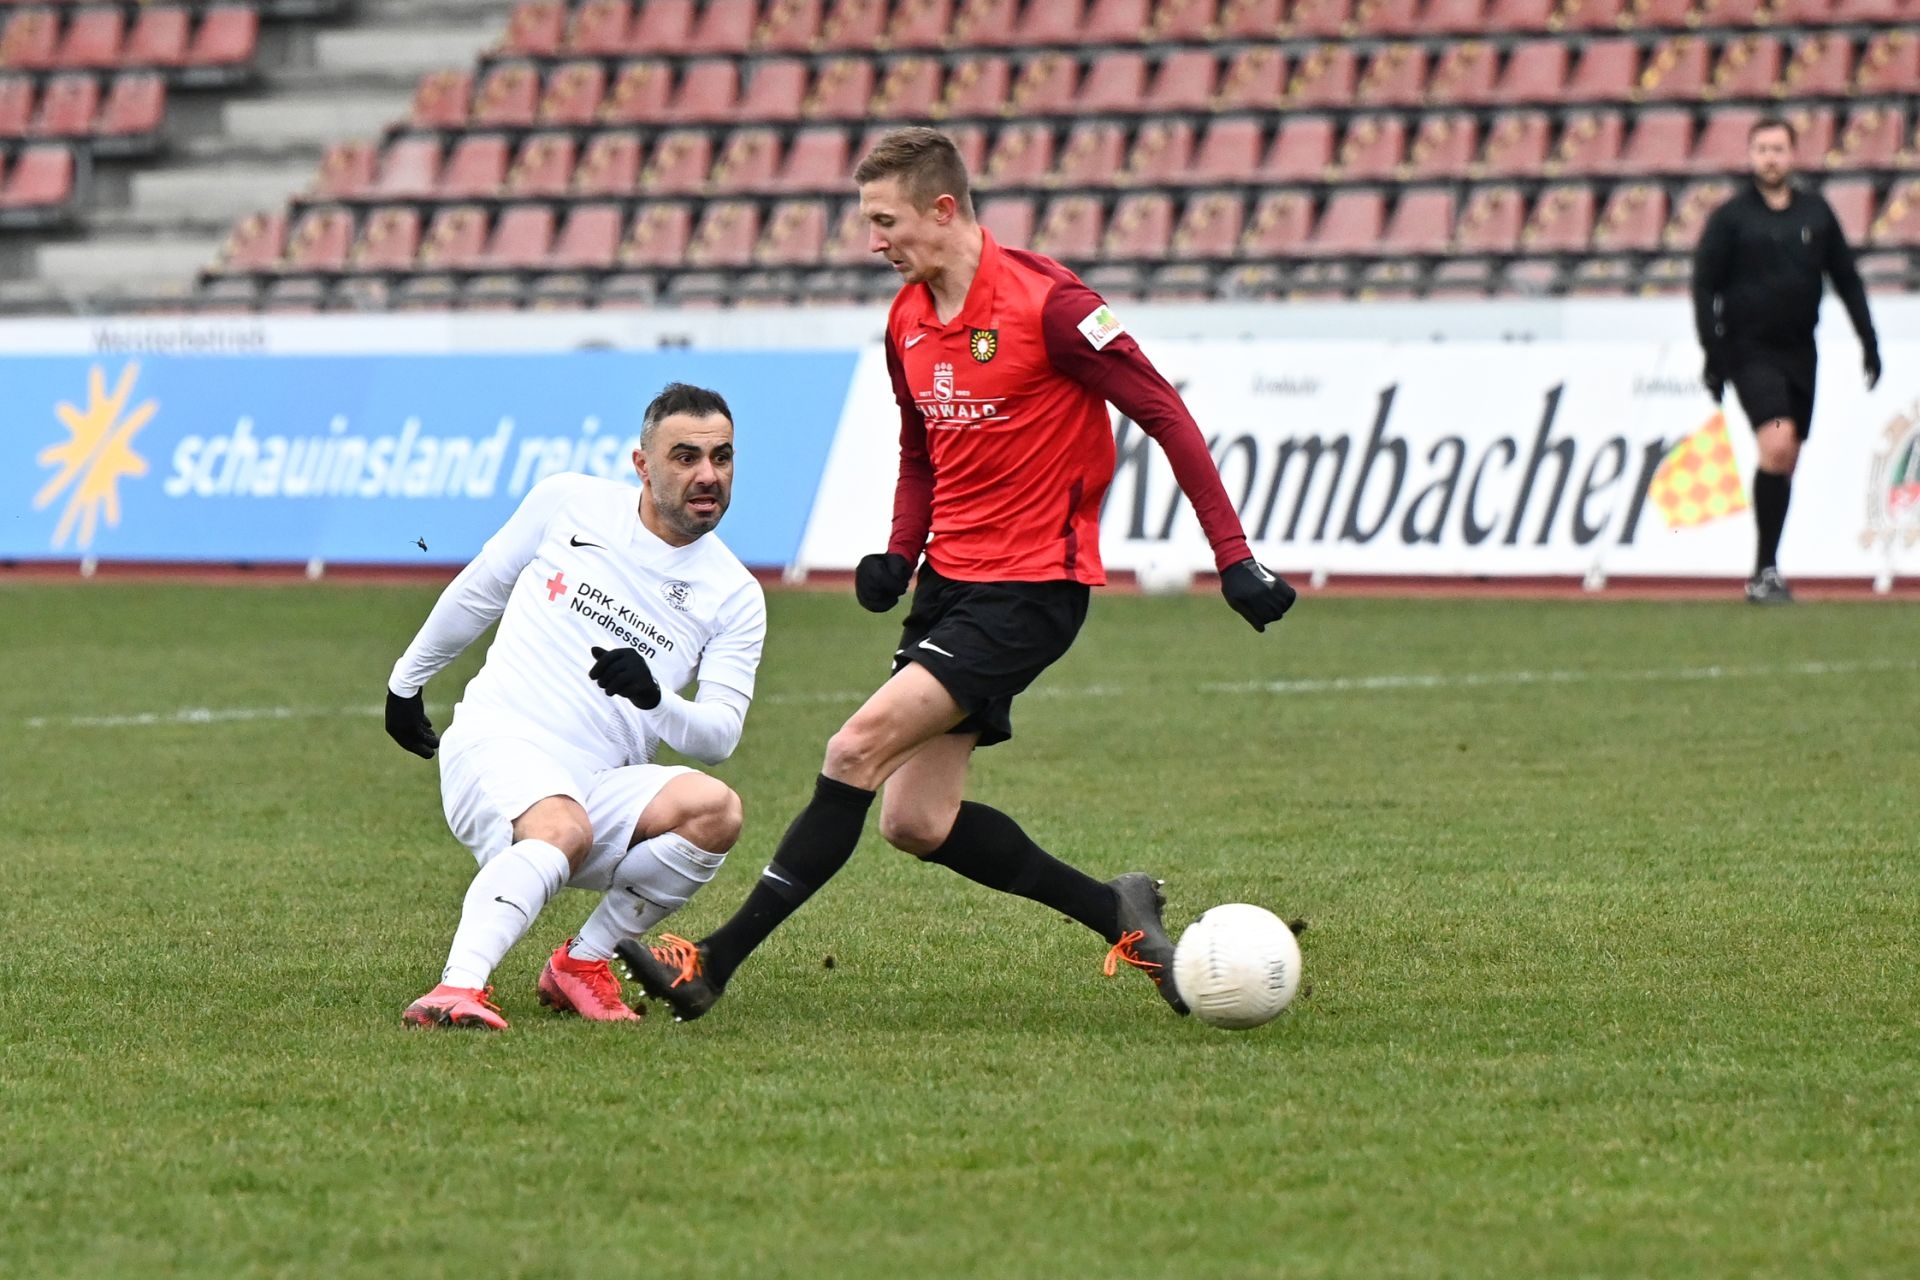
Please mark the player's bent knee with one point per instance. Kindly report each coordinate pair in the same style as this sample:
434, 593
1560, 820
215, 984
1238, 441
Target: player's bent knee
704, 810
854, 756
560, 822
917, 832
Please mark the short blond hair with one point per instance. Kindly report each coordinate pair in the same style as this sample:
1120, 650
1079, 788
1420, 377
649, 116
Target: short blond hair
925, 161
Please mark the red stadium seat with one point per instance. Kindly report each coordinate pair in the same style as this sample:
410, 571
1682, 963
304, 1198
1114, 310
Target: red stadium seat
679, 165
1661, 142
1874, 139
1229, 151
1182, 82
1589, 144
841, 92
1561, 222
1635, 215
708, 90
1676, 71
1589, 15
1209, 227
1520, 17
778, 87
1873, 10
1314, 19
985, 23
1373, 150
346, 172
160, 37
1022, 156
1115, 82
640, 95
1659, 15
522, 238
93, 39
1422, 223
817, 160
1822, 67
1452, 17
1045, 86
915, 24
67, 107
1516, 146
1748, 68
590, 239
1093, 156
658, 237
441, 101
910, 91
1051, 22
796, 234
1444, 148
1722, 147
1071, 229
848, 234
1255, 80
410, 168
1325, 78
1351, 225
1536, 71
389, 242
1802, 13
536, 29
573, 94
1852, 200
227, 37
724, 27
1891, 64
42, 177
788, 26
510, 96
1252, 20
1813, 129
1690, 213
969, 139
600, 29
1302, 151
859, 24
456, 241
1606, 72
1464, 75
747, 163
1898, 226
1491, 222
1281, 224
255, 244
1124, 21
320, 241
135, 106
31, 40
1141, 228
1162, 153
1386, 18
1173, 21
1010, 219
476, 167
544, 166
977, 88
1729, 15
1396, 77
661, 27
611, 166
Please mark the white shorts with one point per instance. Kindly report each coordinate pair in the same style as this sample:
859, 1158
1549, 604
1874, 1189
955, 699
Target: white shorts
488, 782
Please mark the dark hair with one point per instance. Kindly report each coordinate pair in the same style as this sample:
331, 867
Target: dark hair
1765, 123
679, 397
926, 162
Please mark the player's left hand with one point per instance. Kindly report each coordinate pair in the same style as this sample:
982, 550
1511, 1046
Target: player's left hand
1256, 593
407, 724
1873, 367
626, 673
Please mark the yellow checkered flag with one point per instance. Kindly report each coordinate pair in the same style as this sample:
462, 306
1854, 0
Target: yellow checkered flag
1699, 480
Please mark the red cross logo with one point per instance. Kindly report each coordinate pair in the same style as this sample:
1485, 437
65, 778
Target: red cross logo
556, 586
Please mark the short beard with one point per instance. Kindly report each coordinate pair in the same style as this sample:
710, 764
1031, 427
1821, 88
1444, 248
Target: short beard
683, 521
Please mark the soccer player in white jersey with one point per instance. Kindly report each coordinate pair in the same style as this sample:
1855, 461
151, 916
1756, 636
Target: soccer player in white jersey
608, 600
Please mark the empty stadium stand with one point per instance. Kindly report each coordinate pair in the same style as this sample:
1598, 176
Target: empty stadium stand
696, 152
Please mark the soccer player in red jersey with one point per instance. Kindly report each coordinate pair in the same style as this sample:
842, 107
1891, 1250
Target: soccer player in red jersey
1003, 364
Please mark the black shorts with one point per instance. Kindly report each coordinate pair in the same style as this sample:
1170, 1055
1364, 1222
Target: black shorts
985, 642
1776, 384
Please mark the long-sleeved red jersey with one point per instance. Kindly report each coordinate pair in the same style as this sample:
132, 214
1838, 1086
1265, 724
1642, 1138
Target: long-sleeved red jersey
1006, 447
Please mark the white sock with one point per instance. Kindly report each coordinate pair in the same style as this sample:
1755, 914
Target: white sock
501, 903
652, 882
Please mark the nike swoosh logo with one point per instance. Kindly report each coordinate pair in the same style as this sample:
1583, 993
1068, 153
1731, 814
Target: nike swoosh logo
574, 541
771, 874
516, 906
928, 644
908, 345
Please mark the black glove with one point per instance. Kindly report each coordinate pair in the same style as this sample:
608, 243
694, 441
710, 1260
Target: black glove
1873, 366
881, 580
1255, 593
407, 724
1715, 379
625, 672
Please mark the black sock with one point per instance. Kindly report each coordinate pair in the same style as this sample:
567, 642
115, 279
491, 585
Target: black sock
988, 847
815, 847
1771, 493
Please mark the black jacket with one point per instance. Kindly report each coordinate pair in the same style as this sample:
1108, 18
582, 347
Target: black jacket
1757, 274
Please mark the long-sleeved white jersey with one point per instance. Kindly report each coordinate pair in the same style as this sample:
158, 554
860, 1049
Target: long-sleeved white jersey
575, 568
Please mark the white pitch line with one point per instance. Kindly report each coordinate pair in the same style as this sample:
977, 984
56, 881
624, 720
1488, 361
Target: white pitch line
1329, 684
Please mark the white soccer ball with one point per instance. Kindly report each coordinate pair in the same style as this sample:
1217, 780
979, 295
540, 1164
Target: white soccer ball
1164, 573
1237, 966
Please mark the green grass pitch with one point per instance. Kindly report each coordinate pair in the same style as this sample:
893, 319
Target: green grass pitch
1614, 958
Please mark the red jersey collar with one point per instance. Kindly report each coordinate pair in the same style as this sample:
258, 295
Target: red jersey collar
977, 311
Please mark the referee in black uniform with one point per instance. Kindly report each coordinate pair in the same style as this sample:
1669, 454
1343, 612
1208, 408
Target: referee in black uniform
1756, 297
